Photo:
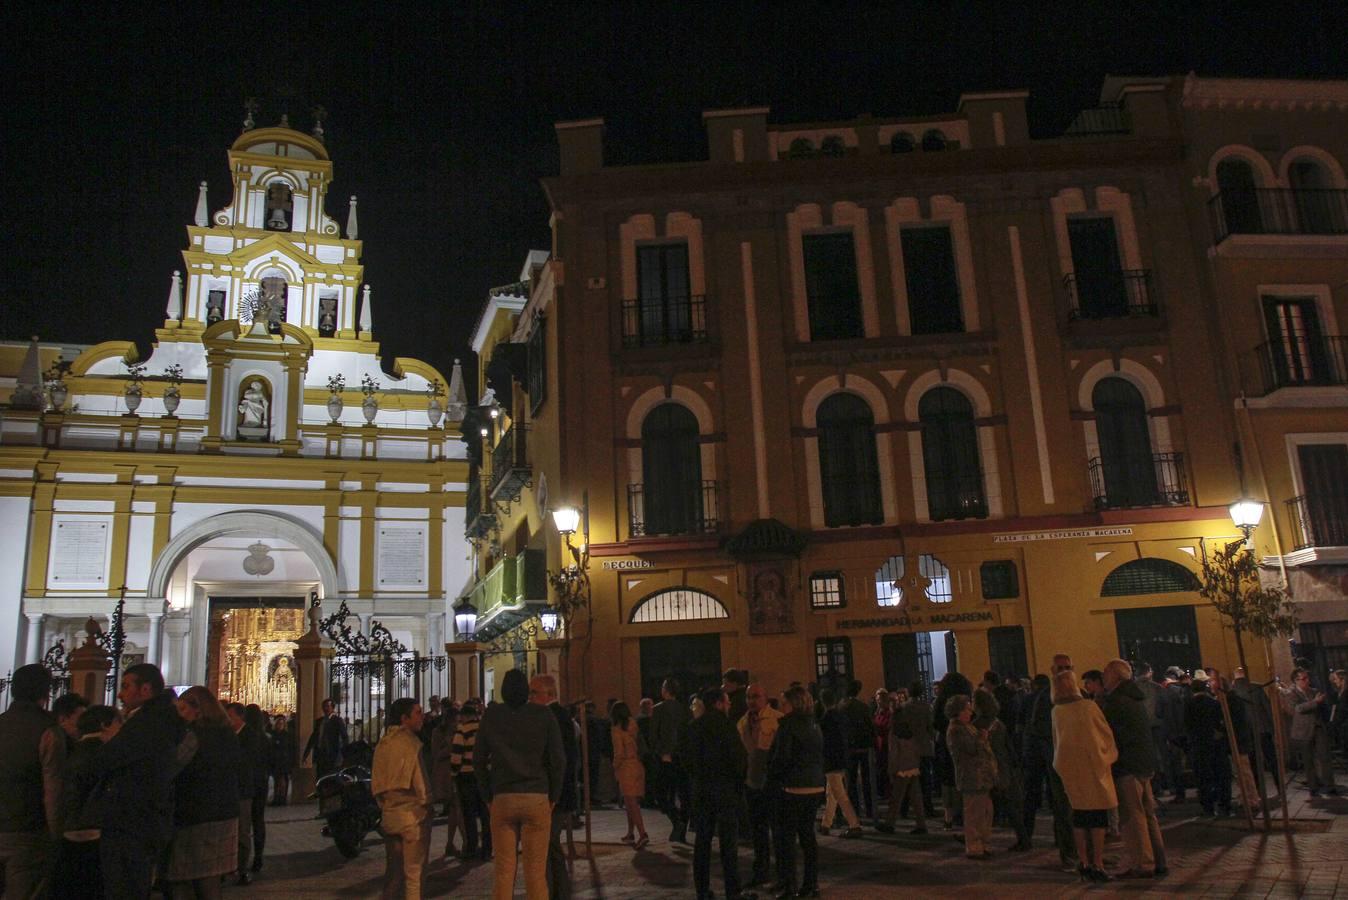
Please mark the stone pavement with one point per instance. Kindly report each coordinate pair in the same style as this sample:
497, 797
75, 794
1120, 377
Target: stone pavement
1208, 858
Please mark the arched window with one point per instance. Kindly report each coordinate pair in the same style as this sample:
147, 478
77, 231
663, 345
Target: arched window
800, 148
678, 605
950, 456
889, 578
280, 204
1124, 475
902, 142
1148, 575
1319, 210
933, 139
832, 146
1239, 197
670, 498
848, 467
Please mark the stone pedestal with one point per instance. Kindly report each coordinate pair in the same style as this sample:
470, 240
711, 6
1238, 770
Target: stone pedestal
89, 667
550, 663
465, 660
313, 657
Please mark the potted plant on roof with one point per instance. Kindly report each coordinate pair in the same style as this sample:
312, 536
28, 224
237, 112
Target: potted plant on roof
135, 387
336, 384
434, 408
173, 393
370, 405
57, 390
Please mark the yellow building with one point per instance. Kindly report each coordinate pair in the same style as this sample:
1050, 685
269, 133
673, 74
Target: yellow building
884, 398
260, 454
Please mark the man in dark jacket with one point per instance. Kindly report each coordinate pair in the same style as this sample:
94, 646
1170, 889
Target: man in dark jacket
668, 719
1209, 749
1174, 701
520, 764
137, 767
254, 749
543, 691
796, 768
1037, 749
734, 682
860, 742
711, 752
32, 753
1125, 709
327, 741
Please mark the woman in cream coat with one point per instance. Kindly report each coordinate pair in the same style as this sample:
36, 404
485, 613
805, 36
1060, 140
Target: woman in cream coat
1083, 751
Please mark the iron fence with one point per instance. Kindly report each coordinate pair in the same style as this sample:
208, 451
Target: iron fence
1130, 481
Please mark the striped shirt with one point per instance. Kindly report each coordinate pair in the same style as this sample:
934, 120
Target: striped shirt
461, 748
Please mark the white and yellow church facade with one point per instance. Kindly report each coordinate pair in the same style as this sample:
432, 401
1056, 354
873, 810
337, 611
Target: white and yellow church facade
261, 453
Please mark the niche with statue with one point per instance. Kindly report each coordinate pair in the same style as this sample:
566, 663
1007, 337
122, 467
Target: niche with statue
254, 409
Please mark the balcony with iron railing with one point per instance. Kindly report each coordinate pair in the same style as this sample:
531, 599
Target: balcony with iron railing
1122, 294
1311, 211
1132, 481
660, 321
1319, 520
1302, 362
511, 470
693, 511
955, 497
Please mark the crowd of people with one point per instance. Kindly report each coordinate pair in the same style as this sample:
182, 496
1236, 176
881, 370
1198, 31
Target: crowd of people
170, 790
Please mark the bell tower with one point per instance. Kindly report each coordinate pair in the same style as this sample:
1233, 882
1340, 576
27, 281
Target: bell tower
274, 251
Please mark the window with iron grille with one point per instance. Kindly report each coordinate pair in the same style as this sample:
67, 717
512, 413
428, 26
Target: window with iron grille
832, 659
938, 577
826, 590
1000, 581
538, 366
1148, 576
678, 605
887, 589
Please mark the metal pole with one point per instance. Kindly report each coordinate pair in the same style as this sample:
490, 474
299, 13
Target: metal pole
1235, 753
585, 775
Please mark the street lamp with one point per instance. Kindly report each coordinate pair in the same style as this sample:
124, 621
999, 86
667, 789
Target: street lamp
567, 520
1245, 514
465, 620
549, 619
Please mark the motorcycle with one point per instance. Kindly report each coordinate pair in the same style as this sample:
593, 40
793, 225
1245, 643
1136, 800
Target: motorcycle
347, 803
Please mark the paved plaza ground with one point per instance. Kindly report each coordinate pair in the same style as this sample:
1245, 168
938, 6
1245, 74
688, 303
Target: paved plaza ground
1208, 858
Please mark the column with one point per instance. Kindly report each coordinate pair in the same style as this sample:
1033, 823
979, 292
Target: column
312, 658
33, 651
177, 628
153, 651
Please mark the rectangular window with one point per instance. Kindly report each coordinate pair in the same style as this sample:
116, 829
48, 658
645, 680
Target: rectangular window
665, 312
832, 660
1006, 650
1097, 276
1000, 581
826, 590
1320, 514
1298, 353
831, 287
933, 284
538, 365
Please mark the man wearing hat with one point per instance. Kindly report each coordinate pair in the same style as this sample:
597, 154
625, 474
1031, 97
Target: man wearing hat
1210, 751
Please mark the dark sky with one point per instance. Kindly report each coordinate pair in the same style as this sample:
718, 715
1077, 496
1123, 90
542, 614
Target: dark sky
440, 117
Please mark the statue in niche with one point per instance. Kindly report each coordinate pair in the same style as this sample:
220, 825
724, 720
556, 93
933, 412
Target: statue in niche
769, 610
253, 411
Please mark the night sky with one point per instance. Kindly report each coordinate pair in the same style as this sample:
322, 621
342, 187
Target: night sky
440, 118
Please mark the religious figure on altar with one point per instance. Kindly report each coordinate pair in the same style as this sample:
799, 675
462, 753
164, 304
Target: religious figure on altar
253, 409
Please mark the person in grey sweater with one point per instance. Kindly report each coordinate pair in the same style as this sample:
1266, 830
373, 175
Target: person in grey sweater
520, 765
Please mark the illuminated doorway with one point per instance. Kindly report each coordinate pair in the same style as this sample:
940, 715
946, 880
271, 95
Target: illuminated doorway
250, 655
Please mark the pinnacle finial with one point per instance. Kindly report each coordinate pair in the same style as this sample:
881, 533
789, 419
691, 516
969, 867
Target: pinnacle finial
201, 218
319, 114
249, 109
285, 120
366, 314
351, 225
174, 309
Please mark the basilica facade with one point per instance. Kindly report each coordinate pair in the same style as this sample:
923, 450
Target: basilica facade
262, 455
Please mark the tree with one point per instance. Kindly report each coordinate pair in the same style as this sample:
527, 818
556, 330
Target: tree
1231, 584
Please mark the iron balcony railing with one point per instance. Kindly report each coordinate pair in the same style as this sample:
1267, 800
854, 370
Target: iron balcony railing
1130, 481
1303, 362
510, 469
657, 321
956, 497
1279, 211
1101, 120
1319, 520
683, 509
1122, 294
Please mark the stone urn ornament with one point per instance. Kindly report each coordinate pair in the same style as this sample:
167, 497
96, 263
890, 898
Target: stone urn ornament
370, 405
135, 388
434, 408
173, 393
336, 384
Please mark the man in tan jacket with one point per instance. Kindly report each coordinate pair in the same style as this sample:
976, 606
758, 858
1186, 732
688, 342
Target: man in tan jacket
757, 728
402, 788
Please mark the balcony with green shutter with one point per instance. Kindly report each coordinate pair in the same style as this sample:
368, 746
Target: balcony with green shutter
514, 590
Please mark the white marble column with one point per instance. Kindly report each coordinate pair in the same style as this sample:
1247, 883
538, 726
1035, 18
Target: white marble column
33, 650
153, 651
176, 667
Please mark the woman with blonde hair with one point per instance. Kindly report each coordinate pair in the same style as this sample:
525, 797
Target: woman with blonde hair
205, 799
1083, 752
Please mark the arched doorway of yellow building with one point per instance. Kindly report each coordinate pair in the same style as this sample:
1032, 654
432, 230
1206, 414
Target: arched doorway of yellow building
1161, 635
692, 659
